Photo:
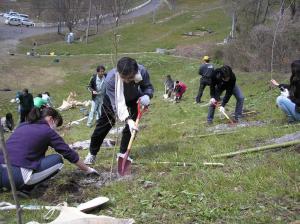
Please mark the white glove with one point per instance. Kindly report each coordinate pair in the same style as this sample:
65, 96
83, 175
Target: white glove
132, 126
212, 101
222, 109
145, 100
91, 171
285, 93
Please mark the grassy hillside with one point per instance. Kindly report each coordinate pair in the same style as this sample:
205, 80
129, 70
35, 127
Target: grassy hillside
255, 188
143, 35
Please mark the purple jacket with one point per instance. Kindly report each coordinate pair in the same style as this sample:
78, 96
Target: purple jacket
29, 143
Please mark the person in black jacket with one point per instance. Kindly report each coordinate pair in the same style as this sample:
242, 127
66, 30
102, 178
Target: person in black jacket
289, 100
97, 88
125, 85
223, 79
205, 71
26, 104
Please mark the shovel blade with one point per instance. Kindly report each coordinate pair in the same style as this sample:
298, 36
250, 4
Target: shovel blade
126, 170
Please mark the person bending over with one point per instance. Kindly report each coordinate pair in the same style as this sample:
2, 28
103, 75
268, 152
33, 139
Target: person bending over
125, 85
223, 79
27, 147
289, 100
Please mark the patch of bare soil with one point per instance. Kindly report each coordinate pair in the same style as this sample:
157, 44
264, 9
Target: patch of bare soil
228, 127
286, 138
16, 77
75, 185
194, 50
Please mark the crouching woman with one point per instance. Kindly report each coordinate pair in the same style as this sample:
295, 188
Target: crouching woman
289, 100
27, 148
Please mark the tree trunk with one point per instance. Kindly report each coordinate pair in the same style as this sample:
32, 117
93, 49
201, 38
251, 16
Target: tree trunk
10, 176
88, 27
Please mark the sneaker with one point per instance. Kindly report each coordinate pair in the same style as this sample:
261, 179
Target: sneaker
89, 159
209, 122
89, 125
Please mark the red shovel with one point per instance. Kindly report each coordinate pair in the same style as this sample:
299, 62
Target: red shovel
124, 163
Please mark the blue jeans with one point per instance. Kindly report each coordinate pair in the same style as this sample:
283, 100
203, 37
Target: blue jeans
95, 109
50, 165
288, 107
238, 107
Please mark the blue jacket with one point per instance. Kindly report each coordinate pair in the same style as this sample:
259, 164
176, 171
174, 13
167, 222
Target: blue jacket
29, 143
132, 90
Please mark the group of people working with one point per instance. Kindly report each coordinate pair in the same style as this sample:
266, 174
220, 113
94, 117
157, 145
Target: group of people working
219, 80
27, 145
116, 95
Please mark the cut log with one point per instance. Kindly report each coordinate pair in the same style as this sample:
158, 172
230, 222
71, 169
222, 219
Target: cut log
257, 149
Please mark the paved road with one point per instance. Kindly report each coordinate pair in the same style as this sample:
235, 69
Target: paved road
15, 33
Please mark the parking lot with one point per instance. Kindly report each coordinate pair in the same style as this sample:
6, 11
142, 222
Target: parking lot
8, 32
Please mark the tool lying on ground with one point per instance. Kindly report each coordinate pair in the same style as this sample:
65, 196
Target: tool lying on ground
124, 163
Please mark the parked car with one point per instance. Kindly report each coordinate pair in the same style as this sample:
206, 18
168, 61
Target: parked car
10, 14
13, 21
23, 16
27, 22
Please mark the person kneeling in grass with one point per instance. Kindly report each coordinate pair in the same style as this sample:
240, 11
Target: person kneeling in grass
289, 100
27, 148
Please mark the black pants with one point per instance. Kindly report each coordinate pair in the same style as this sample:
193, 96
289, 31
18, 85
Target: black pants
203, 83
23, 115
107, 121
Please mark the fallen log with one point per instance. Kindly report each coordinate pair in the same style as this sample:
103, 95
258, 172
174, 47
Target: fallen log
257, 149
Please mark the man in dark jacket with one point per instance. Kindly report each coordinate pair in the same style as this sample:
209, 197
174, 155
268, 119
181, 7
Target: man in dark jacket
223, 79
205, 71
97, 88
125, 85
26, 104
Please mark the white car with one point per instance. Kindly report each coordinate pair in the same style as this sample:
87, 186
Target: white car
10, 14
13, 21
27, 22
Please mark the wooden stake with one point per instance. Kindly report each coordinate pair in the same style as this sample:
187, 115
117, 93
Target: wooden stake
211, 134
257, 149
184, 164
10, 176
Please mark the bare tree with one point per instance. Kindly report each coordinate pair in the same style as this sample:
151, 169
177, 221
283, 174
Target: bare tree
69, 12
38, 7
117, 8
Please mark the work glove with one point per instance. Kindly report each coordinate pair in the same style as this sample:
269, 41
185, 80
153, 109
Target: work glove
213, 101
132, 126
145, 100
222, 109
285, 93
91, 171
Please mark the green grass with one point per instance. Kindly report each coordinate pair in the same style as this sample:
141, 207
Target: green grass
255, 188
143, 35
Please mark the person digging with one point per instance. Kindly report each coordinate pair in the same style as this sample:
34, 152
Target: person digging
125, 86
223, 79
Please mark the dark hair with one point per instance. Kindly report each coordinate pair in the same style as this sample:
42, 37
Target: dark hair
39, 95
168, 76
47, 93
127, 66
177, 82
208, 60
9, 121
100, 67
37, 114
223, 72
25, 90
295, 82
